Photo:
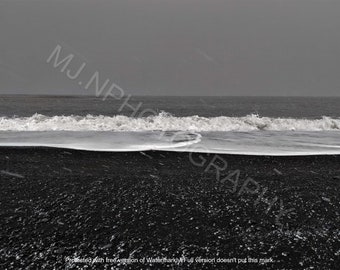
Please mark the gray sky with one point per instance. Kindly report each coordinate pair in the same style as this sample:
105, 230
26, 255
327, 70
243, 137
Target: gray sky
173, 47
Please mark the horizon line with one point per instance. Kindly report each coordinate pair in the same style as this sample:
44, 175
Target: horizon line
131, 95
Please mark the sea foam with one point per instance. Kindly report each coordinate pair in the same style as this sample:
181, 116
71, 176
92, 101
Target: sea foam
164, 122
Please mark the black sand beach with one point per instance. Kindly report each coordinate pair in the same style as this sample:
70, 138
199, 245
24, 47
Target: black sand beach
56, 205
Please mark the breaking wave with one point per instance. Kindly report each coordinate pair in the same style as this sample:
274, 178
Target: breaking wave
164, 122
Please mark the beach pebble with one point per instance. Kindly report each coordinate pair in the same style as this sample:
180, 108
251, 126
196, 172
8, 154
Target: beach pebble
277, 171
106, 246
325, 199
60, 250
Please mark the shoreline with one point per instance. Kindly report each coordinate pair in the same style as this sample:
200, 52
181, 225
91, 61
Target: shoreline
179, 151
156, 203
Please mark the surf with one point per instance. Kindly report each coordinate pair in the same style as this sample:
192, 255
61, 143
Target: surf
100, 140
165, 121
261, 143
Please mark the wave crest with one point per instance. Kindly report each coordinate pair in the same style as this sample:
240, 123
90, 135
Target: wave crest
164, 122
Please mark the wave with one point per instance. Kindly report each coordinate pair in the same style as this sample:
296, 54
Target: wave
101, 140
272, 143
164, 122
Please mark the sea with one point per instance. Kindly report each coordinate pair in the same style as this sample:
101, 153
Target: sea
277, 126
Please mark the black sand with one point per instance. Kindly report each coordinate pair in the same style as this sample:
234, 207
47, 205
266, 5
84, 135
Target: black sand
58, 203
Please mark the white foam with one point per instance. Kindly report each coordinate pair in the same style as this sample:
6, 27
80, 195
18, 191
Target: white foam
163, 122
274, 143
100, 140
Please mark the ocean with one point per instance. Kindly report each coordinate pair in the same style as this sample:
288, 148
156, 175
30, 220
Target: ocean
284, 126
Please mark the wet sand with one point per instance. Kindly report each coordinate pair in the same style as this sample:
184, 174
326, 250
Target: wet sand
57, 204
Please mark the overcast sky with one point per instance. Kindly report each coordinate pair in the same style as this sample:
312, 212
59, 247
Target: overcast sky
173, 47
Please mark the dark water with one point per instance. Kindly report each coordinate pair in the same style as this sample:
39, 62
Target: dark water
294, 107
